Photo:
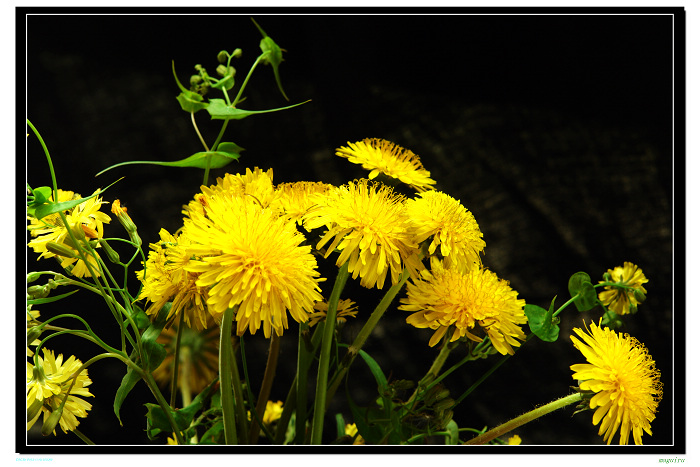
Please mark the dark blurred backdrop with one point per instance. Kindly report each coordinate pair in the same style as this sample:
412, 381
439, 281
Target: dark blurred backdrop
554, 130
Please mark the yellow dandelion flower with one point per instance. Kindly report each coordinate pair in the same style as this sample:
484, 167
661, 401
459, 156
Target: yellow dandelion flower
514, 440
623, 377
451, 226
351, 430
253, 258
86, 217
165, 280
295, 199
199, 357
624, 297
273, 412
368, 222
47, 385
346, 308
448, 297
379, 155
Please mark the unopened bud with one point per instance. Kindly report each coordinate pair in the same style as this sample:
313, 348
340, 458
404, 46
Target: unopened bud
33, 333
61, 250
237, 53
639, 296
32, 276
51, 421
222, 57
34, 409
112, 255
126, 221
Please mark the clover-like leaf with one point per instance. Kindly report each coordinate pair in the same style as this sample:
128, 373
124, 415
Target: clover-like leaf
541, 322
580, 284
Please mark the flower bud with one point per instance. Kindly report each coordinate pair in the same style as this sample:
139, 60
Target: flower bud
195, 80
126, 221
32, 276
61, 250
112, 255
222, 57
33, 333
51, 421
33, 410
639, 296
38, 291
237, 53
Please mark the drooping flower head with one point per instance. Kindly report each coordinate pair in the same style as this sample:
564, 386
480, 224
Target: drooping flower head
379, 155
165, 280
250, 256
346, 308
47, 386
86, 217
629, 292
446, 297
367, 222
452, 227
623, 377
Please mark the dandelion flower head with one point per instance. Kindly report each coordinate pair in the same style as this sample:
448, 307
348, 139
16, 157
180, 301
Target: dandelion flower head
47, 385
251, 257
622, 298
445, 297
436, 215
380, 155
295, 199
623, 377
367, 222
346, 308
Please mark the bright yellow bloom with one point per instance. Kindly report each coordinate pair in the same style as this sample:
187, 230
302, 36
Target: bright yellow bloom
166, 280
379, 155
448, 297
86, 217
47, 385
295, 199
451, 226
351, 430
273, 411
622, 298
368, 221
623, 377
253, 258
346, 308
514, 440
199, 358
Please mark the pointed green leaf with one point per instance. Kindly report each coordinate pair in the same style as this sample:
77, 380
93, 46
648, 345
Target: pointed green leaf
220, 111
272, 56
197, 160
39, 196
128, 382
41, 301
52, 208
580, 284
541, 322
189, 101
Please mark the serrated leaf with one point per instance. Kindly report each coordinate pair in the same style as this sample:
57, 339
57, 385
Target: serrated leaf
580, 284
219, 110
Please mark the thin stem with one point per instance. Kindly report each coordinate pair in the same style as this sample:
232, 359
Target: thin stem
325, 357
435, 368
364, 333
225, 357
266, 386
84, 438
196, 129
176, 362
525, 418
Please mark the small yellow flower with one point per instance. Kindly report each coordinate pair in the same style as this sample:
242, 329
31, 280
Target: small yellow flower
514, 440
451, 226
379, 155
252, 257
351, 430
367, 222
447, 298
47, 385
624, 298
166, 280
623, 377
346, 308
273, 411
85, 217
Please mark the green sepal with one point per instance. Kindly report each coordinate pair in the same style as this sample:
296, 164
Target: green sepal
190, 101
580, 284
219, 110
219, 159
541, 322
272, 56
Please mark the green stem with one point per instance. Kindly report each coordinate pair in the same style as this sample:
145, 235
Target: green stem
225, 374
525, 418
325, 357
85, 439
365, 332
241, 415
176, 362
266, 387
435, 368
151, 383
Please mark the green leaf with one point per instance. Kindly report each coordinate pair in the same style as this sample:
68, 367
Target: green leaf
541, 322
272, 56
198, 160
580, 284
41, 301
390, 415
154, 352
214, 435
190, 101
219, 110
39, 196
128, 382
52, 208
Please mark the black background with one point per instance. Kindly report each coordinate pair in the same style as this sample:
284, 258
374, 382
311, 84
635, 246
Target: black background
554, 130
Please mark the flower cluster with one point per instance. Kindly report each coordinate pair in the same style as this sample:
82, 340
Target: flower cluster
626, 292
